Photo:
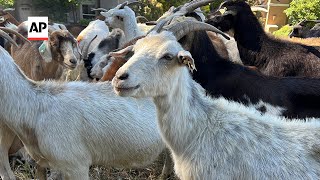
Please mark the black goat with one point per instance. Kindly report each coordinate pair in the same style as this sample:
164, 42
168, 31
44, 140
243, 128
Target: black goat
299, 97
303, 29
271, 56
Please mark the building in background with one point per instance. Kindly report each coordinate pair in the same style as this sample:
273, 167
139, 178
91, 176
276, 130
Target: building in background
25, 8
272, 14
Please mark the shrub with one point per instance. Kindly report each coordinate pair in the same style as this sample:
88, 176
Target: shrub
284, 31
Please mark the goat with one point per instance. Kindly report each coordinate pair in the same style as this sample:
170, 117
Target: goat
114, 41
95, 28
46, 59
80, 129
89, 39
302, 30
290, 97
213, 138
273, 57
123, 17
6, 17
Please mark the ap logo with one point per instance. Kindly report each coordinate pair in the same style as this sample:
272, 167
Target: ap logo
38, 28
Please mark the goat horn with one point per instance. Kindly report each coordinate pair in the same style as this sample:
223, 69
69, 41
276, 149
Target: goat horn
316, 21
191, 6
6, 36
123, 5
138, 18
86, 48
14, 32
159, 26
181, 29
151, 23
8, 9
99, 9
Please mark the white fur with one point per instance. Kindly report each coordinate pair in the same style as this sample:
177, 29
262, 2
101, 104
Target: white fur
96, 27
232, 49
215, 138
84, 123
98, 69
128, 23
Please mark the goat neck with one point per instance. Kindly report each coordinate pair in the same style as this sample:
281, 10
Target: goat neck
181, 108
18, 101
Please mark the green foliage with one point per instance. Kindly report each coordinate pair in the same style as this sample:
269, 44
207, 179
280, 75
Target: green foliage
302, 9
6, 3
56, 9
283, 32
84, 22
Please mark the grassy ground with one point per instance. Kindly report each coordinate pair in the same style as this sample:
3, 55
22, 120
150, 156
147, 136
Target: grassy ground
24, 171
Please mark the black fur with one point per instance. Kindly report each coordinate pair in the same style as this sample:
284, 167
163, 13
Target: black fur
220, 77
271, 56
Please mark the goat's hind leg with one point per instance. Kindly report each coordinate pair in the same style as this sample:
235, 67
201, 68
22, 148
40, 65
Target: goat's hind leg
6, 140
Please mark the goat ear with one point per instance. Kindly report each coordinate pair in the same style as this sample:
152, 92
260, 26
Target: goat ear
184, 57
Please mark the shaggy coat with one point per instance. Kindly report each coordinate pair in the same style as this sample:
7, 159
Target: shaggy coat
213, 138
84, 123
273, 57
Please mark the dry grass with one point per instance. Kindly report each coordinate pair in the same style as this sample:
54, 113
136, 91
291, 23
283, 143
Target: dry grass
306, 41
25, 171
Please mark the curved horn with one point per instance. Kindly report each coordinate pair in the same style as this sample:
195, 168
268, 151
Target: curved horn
316, 21
8, 9
123, 5
86, 48
151, 23
138, 18
15, 33
181, 29
159, 26
99, 9
195, 4
7, 37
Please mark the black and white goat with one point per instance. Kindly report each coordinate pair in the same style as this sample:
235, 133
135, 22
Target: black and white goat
271, 56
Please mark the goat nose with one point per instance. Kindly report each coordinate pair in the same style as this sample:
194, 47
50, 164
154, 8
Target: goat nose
123, 76
73, 61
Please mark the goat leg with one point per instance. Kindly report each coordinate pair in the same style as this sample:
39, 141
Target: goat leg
167, 166
6, 140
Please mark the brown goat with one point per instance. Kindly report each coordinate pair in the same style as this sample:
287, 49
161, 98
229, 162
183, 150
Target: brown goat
6, 17
113, 68
62, 45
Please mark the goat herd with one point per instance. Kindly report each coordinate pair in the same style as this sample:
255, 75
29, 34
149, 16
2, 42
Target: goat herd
241, 105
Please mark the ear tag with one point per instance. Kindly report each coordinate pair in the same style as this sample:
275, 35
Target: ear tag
45, 52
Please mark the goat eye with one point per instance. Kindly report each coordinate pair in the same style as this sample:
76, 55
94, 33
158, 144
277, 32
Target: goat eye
168, 57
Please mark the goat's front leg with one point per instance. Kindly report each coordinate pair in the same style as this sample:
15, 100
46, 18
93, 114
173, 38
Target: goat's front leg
167, 166
6, 140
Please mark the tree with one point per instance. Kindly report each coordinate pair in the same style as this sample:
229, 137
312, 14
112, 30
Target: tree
56, 9
301, 9
6, 3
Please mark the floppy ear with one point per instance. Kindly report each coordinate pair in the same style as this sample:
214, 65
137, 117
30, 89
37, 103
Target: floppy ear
184, 57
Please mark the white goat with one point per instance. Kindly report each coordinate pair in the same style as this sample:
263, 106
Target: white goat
85, 123
95, 28
214, 138
123, 17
